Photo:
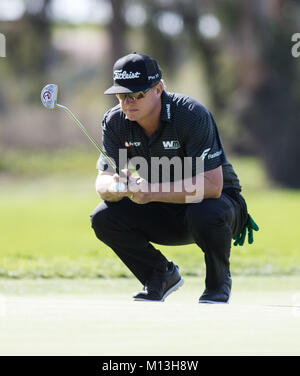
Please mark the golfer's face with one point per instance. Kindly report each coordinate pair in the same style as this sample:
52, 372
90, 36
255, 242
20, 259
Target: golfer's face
138, 108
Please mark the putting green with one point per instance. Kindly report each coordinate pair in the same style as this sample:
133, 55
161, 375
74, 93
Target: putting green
98, 317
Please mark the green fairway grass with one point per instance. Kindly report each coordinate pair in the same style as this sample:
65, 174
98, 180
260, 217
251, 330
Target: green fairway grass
45, 228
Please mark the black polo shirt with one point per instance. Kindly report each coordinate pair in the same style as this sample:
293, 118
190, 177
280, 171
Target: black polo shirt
186, 129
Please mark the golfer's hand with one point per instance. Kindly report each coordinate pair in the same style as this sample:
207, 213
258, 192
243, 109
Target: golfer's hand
139, 190
110, 187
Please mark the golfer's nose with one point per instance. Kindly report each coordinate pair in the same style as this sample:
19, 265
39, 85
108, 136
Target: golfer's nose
128, 100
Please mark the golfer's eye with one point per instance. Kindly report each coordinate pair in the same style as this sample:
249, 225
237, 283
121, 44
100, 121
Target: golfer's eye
140, 95
121, 97
134, 96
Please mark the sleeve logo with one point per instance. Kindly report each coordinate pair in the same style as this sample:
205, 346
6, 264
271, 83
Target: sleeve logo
204, 154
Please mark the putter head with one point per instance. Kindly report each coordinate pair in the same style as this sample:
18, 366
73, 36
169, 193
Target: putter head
49, 96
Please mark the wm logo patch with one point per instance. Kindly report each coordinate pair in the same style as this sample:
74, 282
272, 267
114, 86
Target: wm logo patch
171, 144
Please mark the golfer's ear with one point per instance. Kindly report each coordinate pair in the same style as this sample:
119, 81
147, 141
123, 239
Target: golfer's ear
159, 88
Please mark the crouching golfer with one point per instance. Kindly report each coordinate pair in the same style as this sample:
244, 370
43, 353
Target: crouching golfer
153, 124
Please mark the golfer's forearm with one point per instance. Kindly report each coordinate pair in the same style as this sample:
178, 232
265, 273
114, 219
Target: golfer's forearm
212, 189
179, 192
187, 190
174, 198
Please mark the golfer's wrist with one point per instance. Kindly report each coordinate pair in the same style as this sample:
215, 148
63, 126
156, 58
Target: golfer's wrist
153, 192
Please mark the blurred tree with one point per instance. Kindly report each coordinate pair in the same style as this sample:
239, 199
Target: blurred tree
267, 77
253, 77
117, 29
250, 72
160, 37
206, 50
29, 49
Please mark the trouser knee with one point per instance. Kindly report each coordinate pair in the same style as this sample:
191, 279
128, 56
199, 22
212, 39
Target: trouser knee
100, 223
207, 225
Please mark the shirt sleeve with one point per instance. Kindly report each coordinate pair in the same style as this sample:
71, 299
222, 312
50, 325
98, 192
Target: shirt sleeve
111, 145
203, 144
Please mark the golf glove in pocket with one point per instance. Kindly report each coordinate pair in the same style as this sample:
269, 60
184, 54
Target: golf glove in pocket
250, 225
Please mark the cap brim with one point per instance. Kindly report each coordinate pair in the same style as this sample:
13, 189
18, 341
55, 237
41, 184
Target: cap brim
116, 89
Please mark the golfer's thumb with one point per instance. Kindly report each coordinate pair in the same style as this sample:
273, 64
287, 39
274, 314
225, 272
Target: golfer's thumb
116, 177
126, 172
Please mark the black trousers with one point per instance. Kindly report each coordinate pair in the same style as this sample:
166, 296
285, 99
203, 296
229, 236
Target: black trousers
128, 228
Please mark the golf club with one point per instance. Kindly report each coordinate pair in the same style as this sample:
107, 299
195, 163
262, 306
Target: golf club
49, 100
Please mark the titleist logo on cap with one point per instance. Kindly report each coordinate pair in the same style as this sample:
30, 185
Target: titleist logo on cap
123, 75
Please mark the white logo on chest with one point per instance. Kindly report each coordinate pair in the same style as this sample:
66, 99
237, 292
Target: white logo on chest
171, 144
132, 143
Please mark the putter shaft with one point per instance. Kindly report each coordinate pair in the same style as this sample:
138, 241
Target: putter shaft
78, 123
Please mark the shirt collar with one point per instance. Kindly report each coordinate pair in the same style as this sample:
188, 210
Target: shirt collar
165, 114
